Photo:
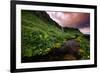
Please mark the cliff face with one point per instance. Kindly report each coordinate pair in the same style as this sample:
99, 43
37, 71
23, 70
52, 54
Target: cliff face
41, 37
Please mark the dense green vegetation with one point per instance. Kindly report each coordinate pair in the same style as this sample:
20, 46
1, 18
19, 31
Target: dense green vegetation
40, 35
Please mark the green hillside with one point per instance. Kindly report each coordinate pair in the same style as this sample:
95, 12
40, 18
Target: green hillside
40, 35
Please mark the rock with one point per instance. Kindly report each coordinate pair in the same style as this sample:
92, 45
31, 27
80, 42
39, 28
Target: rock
70, 47
69, 57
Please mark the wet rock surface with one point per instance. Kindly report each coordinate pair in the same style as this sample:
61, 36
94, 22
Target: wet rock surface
70, 47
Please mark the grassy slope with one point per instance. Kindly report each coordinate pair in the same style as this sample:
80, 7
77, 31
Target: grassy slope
39, 37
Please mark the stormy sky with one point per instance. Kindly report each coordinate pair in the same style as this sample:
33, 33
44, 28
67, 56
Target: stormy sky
72, 20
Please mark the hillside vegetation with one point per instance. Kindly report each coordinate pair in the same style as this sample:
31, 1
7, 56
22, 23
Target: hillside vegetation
40, 35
